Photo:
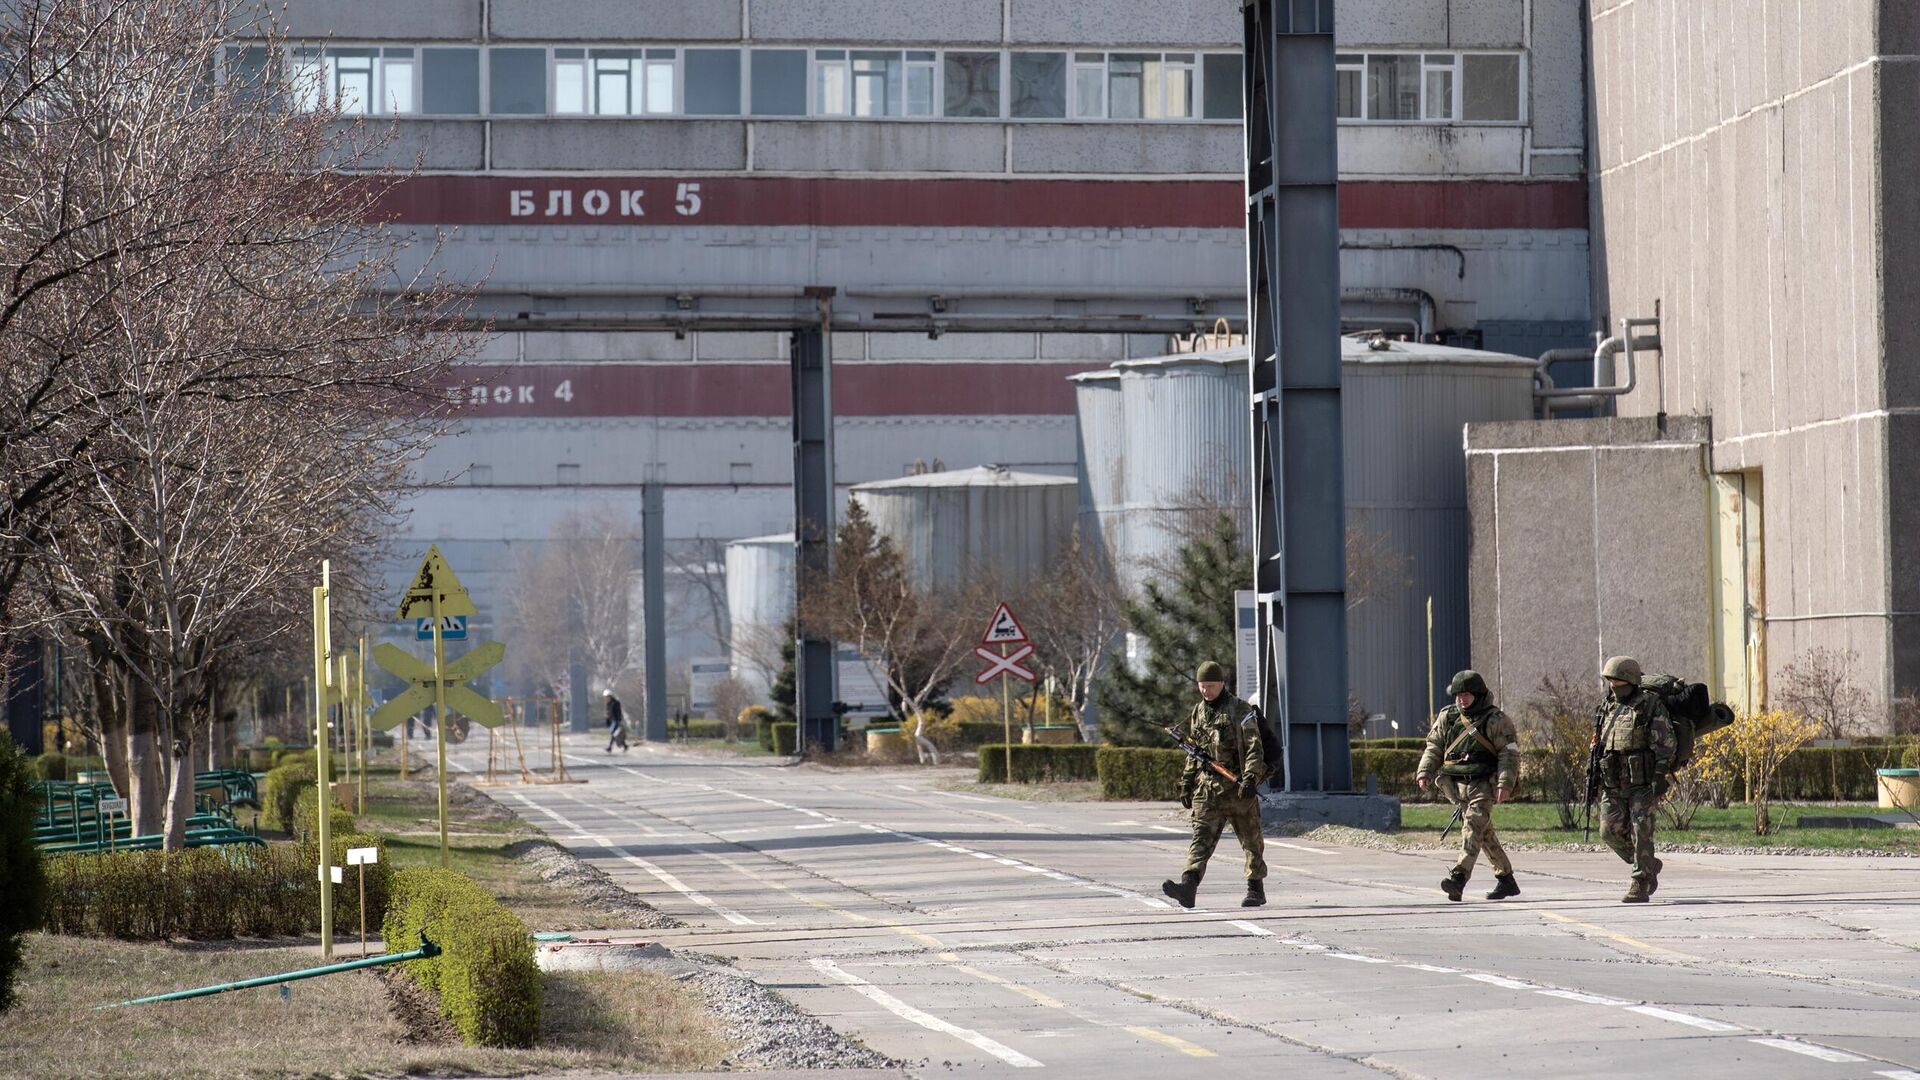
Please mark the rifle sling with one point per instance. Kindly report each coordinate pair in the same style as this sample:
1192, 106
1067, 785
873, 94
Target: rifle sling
1473, 733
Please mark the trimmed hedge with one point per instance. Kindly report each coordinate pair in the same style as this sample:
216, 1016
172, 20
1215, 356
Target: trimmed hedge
209, 893
1039, 764
1815, 773
1395, 768
763, 730
306, 813
488, 982
786, 738
1139, 772
1396, 743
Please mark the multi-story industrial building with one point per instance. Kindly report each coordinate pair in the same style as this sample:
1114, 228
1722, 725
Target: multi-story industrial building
997, 194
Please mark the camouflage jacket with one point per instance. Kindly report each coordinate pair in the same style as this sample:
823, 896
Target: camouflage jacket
1226, 728
1637, 722
1448, 728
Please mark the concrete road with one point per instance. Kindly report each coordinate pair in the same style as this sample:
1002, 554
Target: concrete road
969, 933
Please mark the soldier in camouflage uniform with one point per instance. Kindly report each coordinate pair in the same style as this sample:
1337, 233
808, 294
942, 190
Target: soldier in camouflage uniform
1634, 738
1473, 757
1227, 728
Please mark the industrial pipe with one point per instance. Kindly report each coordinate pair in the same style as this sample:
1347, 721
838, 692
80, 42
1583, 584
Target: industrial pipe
1603, 354
427, 950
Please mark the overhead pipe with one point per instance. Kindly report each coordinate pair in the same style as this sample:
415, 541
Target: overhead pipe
1603, 388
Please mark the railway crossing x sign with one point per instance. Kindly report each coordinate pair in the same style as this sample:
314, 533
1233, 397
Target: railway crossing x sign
1009, 664
420, 695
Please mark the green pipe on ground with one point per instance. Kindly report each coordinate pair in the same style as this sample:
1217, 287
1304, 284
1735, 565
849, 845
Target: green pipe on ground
426, 950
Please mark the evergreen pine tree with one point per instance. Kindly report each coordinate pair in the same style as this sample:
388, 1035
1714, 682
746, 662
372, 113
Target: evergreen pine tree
24, 897
1183, 622
785, 685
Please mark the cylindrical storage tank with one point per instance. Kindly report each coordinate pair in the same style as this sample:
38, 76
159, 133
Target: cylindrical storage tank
1101, 429
759, 602
955, 527
1404, 408
1188, 458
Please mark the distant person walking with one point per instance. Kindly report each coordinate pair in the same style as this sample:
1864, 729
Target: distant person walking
616, 721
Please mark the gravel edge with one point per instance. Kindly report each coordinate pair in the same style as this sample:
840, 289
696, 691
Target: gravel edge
1346, 836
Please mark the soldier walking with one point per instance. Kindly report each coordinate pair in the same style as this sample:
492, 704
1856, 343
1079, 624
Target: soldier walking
616, 721
1228, 729
1633, 738
1473, 757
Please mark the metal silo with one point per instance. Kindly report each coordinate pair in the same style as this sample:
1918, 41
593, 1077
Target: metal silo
759, 602
1188, 436
954, 526
1101, 430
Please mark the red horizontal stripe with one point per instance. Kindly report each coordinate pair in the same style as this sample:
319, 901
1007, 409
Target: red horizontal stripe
741, 390
937, 203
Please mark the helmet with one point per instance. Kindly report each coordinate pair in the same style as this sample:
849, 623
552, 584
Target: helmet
608, 692
1468, 682
1624, 668
1210, 671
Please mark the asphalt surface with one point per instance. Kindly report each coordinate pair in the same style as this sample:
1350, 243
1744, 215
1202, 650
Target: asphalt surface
964, 933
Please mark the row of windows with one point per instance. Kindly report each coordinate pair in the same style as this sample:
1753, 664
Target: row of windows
830, 82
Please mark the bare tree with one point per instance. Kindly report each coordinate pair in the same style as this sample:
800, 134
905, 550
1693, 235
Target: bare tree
1073, 614
573, 591
1819, 685
701, 566
1375, 571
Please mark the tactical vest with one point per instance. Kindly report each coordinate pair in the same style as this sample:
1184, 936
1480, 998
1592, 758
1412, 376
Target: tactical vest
1627, 725
1465, 757
1218, 729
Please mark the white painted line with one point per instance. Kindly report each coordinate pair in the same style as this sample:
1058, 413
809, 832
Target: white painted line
818, 825
975, 854
904, 787
1898, 1074
531, 805
1034, 869
1500, 980
1171, 829
677, 885
1252, 928
1584, 999
1358, 957
926, 1020
1301, 943
957, 795
1299, 847
1700, 1022
1824, 1053
1435, 968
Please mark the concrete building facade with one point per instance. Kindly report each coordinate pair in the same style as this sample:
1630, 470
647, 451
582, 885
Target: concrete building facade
998, 193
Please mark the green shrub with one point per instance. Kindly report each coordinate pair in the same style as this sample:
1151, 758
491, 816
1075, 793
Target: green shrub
306, 816
1395, 768
763, 729
51, 766
785, 739
1816, 773
706, 729
280, 794
1139, 772
488, 982
1396, 743
23, 894
1038, 764
1910, 759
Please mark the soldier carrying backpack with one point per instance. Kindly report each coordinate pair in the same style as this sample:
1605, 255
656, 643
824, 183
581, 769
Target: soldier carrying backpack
1229, 734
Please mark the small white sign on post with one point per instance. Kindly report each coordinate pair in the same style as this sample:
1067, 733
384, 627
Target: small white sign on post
113, 806
338, 874
362, 856
1246, 644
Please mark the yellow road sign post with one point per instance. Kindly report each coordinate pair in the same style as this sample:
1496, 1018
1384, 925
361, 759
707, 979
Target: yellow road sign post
436, 592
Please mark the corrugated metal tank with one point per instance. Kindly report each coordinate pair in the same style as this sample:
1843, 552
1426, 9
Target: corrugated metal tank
1187, 444
954, 526
1101, 435
759, 600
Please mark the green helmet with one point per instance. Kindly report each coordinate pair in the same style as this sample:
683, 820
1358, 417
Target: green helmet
1624, 668
1467, 682
1210, 671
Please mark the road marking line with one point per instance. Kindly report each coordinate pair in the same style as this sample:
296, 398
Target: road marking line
1688, 1019
1584, 999
926, 1020
1300, 847
1024, 991
1899, 1074
677, 885
820, 825
1500, 980
1358, 957
1252, 928
1171, 829
1176, 1042
1636, 943
1435, 968
1302, 943
957, 795
1824, 1053
531, 805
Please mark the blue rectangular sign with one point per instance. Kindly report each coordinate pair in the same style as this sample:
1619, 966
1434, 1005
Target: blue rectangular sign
452, 628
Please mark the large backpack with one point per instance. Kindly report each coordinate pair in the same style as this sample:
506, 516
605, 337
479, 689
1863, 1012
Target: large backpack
1693, 712
1269, 742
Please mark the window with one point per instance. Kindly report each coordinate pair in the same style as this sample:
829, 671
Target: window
355, 81
1133, 86
248, 66
1039, 88
713, 82
450, 82
1492, 88
616, 82
1431, 88
973, 84
867, 82
517, 81
1222, 79
779, 82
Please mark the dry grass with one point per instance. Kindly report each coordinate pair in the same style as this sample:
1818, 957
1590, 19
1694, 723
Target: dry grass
335, 1025
1059, 791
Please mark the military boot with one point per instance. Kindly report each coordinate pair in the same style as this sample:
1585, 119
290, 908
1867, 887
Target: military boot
1653, 879
1637, 892
1503, 887
1454, 885
1256, 895
1183, 891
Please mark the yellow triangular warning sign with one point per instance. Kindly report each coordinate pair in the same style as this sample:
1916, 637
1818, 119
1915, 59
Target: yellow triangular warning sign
435, 577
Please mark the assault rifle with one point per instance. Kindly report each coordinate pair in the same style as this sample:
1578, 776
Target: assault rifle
1458, 809
1200, 756
1593, 771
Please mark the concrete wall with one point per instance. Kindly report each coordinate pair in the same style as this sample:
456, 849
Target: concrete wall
1587, 538
1755, 179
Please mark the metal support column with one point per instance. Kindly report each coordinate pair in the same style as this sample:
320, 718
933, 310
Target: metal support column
1293, 307
813, 506
653, 570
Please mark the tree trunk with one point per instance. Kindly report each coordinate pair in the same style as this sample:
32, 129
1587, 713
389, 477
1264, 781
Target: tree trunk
179, 784
145, 798
111, 706
923, 745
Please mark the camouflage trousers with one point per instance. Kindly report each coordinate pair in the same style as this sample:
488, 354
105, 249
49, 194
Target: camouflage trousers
1626, 824
1476, 824
1213, 812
